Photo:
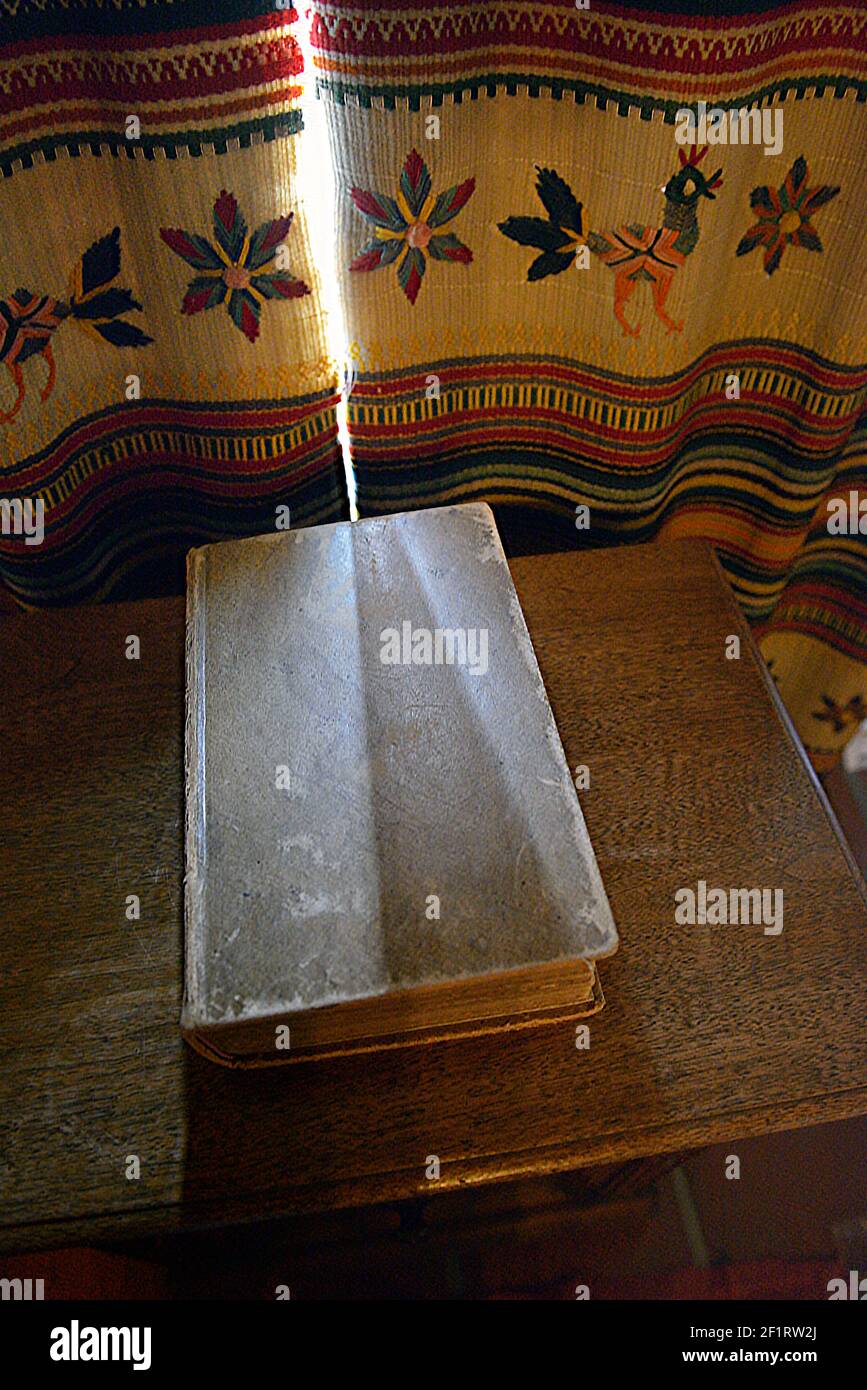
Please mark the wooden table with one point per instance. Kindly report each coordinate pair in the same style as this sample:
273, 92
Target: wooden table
710, 1033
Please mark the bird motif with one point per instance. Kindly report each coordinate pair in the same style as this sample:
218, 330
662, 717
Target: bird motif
29, 321
634, 252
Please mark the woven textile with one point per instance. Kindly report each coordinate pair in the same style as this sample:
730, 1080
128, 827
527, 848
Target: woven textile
164, 375
555, 299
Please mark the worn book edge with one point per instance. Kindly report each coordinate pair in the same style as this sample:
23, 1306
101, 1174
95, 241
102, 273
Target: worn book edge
194, 792
226, 1043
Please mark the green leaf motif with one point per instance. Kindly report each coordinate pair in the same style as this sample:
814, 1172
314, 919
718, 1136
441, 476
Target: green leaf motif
753, 238
798, 173
449, 204
390, 249
448, 247
410, 272
206, 292
415, 183
818, 197
810, 239
761, 198
279, 284
379, 209
265, 240
230, 229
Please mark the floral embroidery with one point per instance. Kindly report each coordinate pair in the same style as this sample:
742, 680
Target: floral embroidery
842, 716
28, 321
235, 265
405, 226
784, 216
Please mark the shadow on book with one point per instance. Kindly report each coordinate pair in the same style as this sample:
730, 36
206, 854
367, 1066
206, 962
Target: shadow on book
384, 843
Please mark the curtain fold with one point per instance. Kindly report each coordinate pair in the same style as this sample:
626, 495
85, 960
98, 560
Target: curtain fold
560, 294
164, 371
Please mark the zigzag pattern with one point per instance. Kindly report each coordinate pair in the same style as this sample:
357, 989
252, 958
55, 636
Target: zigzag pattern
184, 70
74, 96
33, 17
684, 40
404, 55
20, 9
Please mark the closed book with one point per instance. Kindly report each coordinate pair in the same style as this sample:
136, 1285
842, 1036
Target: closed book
384, 842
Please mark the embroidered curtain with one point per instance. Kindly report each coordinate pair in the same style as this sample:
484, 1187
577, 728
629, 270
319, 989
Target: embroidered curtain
164, 374
554, 301
557, 296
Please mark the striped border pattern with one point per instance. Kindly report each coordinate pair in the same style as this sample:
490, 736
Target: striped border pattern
825, 597
412, 52
193, 91
666, 456
34, 18
150, 478
174, 145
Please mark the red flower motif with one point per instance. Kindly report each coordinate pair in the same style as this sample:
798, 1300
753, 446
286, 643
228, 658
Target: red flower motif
235, 265
784, 216
406, 226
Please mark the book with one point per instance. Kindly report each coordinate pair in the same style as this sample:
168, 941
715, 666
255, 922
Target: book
384, 842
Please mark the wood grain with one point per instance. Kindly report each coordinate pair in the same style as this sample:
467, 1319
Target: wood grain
709, 1033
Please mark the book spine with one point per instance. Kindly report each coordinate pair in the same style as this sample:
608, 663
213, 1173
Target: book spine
194, 780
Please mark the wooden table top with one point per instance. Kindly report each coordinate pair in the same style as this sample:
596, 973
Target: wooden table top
709, 1033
